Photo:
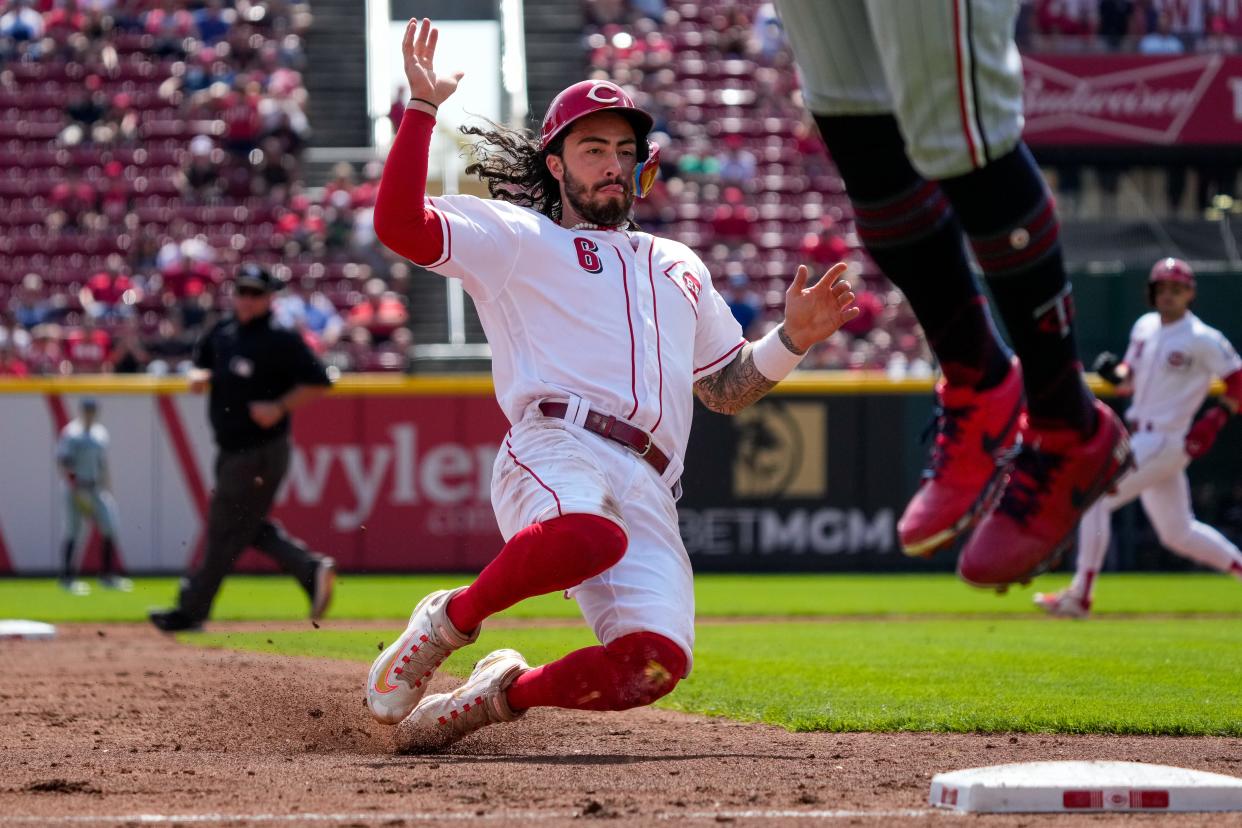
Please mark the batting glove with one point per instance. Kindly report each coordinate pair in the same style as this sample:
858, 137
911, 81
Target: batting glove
1203, 433
1106, 365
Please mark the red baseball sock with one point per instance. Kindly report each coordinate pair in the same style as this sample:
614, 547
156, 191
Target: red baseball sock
632, 671
544, 557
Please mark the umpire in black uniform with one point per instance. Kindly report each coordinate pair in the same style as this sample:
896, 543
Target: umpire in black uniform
258, 374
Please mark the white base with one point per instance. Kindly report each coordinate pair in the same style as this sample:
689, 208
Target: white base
1082, 787
13, 628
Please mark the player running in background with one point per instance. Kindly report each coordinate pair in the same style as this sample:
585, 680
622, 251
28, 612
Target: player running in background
601, 335
82, 455
1167, 371
920, 105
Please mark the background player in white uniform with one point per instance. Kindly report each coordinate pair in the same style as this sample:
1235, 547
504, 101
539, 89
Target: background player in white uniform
600, 335
1168, 369
82, 455
920, 104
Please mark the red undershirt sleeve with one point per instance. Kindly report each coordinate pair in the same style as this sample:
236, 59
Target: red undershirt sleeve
402, 220
1233, 387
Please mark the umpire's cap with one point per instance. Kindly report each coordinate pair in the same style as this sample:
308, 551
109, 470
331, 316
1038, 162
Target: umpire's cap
90, 404
252, 275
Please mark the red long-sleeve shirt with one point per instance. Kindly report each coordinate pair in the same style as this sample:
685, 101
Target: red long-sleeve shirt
402, 221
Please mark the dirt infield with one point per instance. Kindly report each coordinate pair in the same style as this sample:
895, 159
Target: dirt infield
113, 724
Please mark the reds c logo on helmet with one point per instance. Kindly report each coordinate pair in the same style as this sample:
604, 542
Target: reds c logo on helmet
586, 97
1169, 270
589, 96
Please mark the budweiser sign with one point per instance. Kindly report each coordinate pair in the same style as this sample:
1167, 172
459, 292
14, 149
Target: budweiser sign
1132, 99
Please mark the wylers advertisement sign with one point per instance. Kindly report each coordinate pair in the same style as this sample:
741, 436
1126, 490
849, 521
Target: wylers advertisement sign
401, 483
398, 482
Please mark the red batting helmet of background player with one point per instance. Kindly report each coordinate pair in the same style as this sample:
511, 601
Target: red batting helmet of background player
591, 96
1169, 270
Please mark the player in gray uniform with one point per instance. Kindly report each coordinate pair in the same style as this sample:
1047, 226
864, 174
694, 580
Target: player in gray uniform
920, 105
82, 455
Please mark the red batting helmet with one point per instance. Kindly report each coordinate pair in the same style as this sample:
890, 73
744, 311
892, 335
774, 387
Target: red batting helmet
590, 96
1169, 270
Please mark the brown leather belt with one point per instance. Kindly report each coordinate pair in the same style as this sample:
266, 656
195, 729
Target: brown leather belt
619, 431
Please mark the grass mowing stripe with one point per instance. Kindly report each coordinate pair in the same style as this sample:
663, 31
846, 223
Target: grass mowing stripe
362, 597
1172, 676
1111, 676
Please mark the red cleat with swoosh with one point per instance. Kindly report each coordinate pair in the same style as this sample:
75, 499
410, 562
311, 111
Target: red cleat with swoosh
975, 430
1056, 476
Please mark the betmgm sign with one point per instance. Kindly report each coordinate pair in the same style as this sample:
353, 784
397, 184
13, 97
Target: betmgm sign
799, 483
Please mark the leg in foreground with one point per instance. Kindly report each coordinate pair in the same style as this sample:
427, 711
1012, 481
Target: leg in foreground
906, 222
1075, 448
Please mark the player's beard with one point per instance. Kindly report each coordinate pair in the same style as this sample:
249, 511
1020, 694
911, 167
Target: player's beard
613, 211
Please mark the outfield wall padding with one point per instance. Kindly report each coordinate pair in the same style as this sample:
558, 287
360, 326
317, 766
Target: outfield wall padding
391, 474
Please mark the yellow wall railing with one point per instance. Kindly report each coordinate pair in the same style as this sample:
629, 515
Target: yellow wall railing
802, 382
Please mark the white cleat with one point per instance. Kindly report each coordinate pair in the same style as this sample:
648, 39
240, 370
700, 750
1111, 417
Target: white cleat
1063, 604
116, 582
400, 675
75, 587
445, 718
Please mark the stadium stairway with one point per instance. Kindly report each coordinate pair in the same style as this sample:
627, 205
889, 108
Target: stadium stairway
336, 76
554, 50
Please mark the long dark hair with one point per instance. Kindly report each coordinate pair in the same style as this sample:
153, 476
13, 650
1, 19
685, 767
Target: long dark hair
510, 162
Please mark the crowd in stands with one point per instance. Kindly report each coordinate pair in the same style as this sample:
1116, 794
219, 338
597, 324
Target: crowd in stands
1143, 26
1156, 27
148, 146
745, 179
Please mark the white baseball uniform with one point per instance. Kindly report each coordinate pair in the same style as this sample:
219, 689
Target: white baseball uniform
1172, 368
617, 322
948, 71
84, 452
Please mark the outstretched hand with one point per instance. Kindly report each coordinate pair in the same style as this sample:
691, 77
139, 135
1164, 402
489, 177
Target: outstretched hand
813, 314
418, 48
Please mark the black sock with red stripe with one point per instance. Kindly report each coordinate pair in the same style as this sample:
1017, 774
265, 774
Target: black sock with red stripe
911, 232
1012, 225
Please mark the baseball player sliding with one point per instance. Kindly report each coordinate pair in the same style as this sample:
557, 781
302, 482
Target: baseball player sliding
1167, 370
600, 335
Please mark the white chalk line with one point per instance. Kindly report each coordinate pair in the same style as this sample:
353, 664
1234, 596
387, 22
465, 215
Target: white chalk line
462, 816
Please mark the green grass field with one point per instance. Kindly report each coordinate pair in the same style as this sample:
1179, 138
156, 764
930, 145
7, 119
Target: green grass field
379, 597
920, 653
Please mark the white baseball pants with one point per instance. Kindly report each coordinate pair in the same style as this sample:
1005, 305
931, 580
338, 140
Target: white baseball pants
548, 467
1159, 480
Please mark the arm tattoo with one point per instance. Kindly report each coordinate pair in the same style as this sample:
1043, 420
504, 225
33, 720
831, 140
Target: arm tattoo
735, 386
787, 342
